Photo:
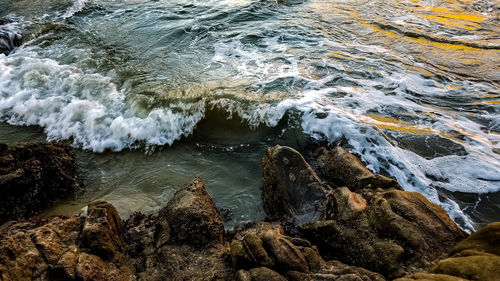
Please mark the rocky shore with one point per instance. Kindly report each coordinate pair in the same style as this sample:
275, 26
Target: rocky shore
338, 221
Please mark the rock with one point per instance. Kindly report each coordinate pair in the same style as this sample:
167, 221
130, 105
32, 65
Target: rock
475, 258
34, 176
485, 240
291, 188
192, 217
299, 261
92, 268
250, 253
102, 231
397, 232
388, 231
342, 168
265, 274
430, 277
286, 255
19, 258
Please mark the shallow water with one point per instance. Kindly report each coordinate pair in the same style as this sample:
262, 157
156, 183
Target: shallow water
156, 92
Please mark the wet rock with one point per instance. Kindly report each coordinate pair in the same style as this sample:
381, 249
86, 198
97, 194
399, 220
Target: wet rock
286, 255
342, 168
250, 252
475, 258
192, 217
291, 188
384, 230
397, 232
34, 176
300, 261
184, 242
102, 231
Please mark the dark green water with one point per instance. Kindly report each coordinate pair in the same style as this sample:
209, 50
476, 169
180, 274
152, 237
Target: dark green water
153, 93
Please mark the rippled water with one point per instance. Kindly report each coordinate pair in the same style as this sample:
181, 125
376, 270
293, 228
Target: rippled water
155, 92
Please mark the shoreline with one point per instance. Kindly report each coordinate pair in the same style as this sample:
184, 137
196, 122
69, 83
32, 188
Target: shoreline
305, 209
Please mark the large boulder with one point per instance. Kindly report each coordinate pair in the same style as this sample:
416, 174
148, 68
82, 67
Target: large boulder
379, 227
184, 242
191, 217
291, 189
475, 258
33, 176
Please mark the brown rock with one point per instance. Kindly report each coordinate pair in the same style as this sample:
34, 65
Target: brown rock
429, 277
265, 274
389, 231
250, 252
19, 258
475, 258
102, 231
398, 232
291, 189
33, 176
93, 268
342, 168
286, 255
48, 244
192, 217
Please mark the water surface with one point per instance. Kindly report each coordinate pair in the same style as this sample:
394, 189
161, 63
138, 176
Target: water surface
156, 92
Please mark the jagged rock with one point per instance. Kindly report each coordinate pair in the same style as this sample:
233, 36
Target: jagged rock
259, 274
291, 188
50, 250
184, 242
102, 231
388, 231
192, 217
475, 258
286, 255
295, 261
397, 232
33, 176
92, 268
250, 252
342, 168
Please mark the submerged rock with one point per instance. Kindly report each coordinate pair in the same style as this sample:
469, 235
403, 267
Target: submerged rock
33, 176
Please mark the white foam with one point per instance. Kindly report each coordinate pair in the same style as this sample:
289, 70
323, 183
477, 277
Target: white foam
327, 113
86, 107
78, 6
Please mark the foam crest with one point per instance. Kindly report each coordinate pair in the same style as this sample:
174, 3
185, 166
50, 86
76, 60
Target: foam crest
87, 108
78, 6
